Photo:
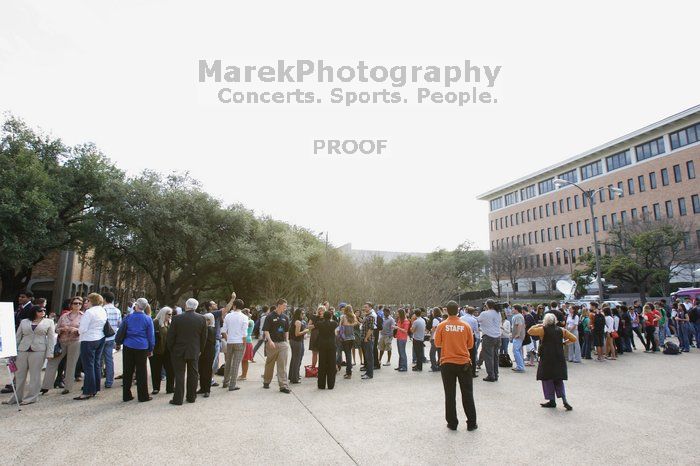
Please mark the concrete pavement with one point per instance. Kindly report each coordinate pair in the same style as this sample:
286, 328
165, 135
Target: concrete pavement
639, 409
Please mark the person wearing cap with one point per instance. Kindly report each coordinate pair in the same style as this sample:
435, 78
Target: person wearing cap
455, 339
186, 339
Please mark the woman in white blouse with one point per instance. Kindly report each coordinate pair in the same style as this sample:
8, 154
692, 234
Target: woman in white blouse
610, 352
92, 342
36, 338
572, 321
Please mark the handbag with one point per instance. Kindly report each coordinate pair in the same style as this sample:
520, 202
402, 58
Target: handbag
108, 330
311, 371
614, 334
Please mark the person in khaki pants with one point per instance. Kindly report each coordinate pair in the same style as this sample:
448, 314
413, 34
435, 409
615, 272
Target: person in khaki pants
69, 338
277, 337
36, 338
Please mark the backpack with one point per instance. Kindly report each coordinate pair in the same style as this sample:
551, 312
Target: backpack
504, 360
671, 348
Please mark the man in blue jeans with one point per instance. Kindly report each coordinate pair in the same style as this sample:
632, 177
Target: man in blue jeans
368, 340
518, 332
114, 317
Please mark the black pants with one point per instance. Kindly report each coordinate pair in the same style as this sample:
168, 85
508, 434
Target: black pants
451, 373
375, 350
651, 341
419, 353
179, 367
206, 367
326, 367
434, 356
158, 363
472, 356
347, 349
641, 338
135, 361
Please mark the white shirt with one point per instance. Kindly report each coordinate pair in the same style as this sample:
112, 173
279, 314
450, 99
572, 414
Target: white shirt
572, 323
235, 327
92, 324
609, 324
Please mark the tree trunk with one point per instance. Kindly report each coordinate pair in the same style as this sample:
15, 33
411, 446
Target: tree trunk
13, 282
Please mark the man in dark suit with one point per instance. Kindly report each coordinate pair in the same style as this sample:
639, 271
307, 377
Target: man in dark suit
186, 339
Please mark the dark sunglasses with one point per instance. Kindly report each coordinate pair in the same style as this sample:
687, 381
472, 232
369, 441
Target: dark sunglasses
76, 302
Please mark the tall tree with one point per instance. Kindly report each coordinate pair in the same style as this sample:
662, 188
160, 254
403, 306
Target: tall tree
49, 196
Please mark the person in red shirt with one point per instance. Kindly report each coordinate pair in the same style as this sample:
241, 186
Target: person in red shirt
651, 319
455, 339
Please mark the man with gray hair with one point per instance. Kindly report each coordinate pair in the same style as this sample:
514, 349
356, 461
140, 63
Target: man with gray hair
187, 337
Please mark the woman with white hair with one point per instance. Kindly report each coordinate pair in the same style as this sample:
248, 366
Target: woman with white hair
161, 356
206, 357
552, 367
137, 336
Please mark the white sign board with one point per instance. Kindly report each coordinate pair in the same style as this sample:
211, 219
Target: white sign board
8, 343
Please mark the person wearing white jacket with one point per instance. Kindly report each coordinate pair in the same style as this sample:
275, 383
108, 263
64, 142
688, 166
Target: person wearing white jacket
92, 342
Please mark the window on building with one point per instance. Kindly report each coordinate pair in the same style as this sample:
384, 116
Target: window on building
686, 240
652, 180
541, 212
528, 192
546, 209
623, 217
613, 219
576, 201
621, 188
529, 237
496, 203
697, 238
511, 198
551, 258
556, 232
544, 259
657, 211
546, 186
517, 218
690, 166
685, 136
549, 234
563, 231
561, 206
682, 211
664, 177
696, 203
619, 160
630, 186
568, 204
588, 226
595, 224
633, 213
605, 223
528, 215
580, 252
611, 193
578, 227
571, 230
640, 179
650, 149
554, 207
542, 235
592, 169
677, 173
569, 176
572, 254
558, 258
645, 213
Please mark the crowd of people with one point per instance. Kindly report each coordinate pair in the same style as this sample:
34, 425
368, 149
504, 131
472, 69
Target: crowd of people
183, 347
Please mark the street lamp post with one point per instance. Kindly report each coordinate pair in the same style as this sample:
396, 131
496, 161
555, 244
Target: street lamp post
590, 195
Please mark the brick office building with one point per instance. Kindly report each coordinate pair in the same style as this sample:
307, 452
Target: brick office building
64, 274
655, 167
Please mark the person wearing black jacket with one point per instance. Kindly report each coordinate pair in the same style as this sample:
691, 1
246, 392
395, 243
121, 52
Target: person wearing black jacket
326, 351
206, 359
187, 337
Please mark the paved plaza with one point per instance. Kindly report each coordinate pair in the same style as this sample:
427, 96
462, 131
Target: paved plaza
639, 409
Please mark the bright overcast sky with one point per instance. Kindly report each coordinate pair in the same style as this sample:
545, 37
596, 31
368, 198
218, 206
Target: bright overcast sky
124, 75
